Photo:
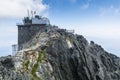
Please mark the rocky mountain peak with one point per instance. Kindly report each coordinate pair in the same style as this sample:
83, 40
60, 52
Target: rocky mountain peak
58, 54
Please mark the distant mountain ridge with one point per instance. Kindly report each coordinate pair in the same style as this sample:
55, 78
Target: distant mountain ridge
60, 55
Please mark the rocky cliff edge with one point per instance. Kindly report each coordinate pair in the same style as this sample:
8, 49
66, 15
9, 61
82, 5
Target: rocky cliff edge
60, 55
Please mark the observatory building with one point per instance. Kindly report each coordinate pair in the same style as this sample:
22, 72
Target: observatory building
30, 27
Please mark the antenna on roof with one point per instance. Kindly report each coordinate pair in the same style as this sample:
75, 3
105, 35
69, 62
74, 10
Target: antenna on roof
28, 13
32, 13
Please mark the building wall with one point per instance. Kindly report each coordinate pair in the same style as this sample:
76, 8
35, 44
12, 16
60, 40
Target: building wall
27, 32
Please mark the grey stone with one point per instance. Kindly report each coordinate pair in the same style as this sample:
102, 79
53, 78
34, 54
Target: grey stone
66, 57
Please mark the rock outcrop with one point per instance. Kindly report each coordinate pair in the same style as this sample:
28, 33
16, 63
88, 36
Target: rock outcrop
60, 55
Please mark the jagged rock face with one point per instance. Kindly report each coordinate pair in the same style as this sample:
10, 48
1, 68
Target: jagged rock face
82, 61
7, 70
57, 55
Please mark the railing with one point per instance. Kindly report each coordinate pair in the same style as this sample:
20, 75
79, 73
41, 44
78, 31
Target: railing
70, 31
19, 23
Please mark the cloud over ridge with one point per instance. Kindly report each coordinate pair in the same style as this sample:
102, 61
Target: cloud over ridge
18, 8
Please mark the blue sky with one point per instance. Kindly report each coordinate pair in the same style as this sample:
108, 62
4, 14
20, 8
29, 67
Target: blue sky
97, 20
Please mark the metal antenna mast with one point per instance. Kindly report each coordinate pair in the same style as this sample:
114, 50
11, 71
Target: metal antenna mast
28, 13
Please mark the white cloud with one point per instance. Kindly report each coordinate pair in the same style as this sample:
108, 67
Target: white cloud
73, 1
85, 6
18, 8
8, 35
101, 32
111, 10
